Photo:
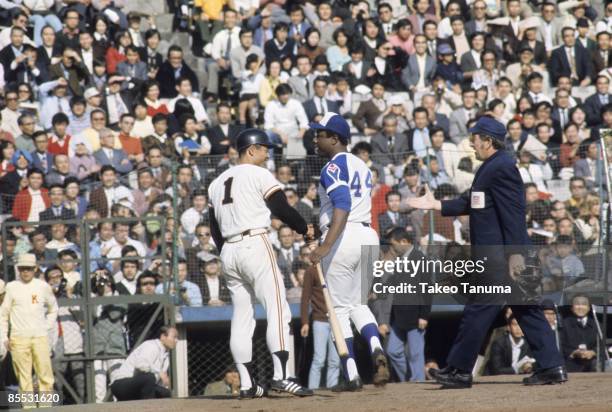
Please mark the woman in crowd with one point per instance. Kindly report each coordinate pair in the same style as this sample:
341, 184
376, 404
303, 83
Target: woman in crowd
116, 53
311, 47
150, 91
267, 89
338, 54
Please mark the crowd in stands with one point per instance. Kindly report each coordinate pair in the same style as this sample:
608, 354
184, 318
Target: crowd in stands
100, 120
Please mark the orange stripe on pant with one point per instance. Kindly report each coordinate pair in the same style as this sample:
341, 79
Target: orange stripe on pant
278, 299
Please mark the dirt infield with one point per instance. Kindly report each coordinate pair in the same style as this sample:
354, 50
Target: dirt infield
583, 392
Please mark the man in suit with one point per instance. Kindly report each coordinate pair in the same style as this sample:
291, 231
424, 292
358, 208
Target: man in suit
71, 68
570, 60
31, 71
12, 55
510, 353
579, 337
561, 108
88, 52
162, 176
496, 207
224, 134
419, 72
57, 210
392, 218
116, 101
590, 167
49, 48
470, 61
388, 146
146, 193
149, 54
109, 156
134, 70
511, 31
222, 44
478, 22
597, 100
357, 69
428, 101
368, 114
105, 196
171, 70
420, 16
583, 39
316, 107
549, 30
286, 255
41, 158
61, 170
405, 321
459, 118
302, 83
602, 56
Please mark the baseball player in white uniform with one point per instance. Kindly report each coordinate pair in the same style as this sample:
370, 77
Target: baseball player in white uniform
345, 191
242, 199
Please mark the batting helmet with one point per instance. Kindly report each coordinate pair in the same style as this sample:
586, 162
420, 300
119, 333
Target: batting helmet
250, 137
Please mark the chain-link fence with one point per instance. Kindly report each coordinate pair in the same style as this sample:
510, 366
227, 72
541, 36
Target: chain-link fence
161, 210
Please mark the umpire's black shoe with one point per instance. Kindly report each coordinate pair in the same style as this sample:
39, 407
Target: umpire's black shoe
381, 368
435, 372
453, 378
285, 385
255, 391
548, 376
353, 386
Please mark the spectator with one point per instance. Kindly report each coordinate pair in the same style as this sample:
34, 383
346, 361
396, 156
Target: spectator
228, 386
222, 44
125, 280
212, 284
189, 293
510, 353
579, 337
570, 60
224, 133
27, 125
388, 146
32, 199
184, 90
392, 217
459, 118
285, 121
139, 314
405, 324
563, 267
286, 254
173, 69
325, 353
366, 118
103, 198
30, 322
144, 374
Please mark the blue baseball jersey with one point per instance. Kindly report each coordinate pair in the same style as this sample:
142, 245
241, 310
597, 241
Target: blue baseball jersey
346, 183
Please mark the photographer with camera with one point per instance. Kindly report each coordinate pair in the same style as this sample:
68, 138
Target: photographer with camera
189, 292
66, 336
109, 333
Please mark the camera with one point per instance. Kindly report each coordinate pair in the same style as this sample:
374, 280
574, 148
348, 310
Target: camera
99, 283
60, 289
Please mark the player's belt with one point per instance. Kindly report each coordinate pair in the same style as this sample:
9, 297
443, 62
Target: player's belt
250, 232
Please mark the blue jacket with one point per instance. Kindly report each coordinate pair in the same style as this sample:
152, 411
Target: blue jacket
501, 219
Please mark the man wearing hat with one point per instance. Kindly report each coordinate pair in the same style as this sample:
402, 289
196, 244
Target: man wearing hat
30, 310
345, 220
496, 207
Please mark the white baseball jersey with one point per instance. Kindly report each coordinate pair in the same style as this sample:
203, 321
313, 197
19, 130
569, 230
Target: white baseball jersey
239, 196
346, 169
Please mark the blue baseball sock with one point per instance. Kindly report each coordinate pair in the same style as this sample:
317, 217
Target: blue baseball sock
349, 367
370, 334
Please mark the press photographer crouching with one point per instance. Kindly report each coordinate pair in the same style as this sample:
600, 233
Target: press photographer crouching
144, 374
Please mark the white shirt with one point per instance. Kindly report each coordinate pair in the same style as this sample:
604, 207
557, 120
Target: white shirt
380, 64
248, 187
198, 107
115, 248
37, 206
150, 357
251, 82
357, 68
288, 118
219, 42
88, 59
190, 219
213, 287
476, 56
421, 60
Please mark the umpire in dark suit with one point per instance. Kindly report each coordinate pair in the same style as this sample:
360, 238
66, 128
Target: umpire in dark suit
496, 207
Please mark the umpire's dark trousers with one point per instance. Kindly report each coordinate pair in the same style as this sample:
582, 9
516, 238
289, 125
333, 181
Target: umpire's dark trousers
477, 320
141, 386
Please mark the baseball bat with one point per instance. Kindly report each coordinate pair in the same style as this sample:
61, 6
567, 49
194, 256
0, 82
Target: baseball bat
333, 319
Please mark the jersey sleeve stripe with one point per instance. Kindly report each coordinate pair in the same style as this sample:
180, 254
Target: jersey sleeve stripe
271, 190
336, 184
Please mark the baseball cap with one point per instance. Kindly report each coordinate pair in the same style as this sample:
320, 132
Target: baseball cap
445, 48
334, 123
488, 126
91, 92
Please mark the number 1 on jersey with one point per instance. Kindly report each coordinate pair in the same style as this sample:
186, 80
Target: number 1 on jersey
227, 199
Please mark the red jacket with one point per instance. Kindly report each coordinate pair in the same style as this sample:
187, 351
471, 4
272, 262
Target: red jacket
23, 203
113, 58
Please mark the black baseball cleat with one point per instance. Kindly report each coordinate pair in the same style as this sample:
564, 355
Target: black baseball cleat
285, 385
453, 378
548, 376
381, 368
353, 386
255, 391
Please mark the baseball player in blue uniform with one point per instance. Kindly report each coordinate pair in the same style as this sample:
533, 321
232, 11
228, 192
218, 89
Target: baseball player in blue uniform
496, 206
345, 192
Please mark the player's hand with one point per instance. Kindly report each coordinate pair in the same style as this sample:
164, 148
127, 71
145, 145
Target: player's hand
426, 202
516, 264
319, 253
304, 331
383, 329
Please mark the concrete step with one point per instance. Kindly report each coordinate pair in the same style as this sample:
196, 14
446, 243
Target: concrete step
164, 22
154, 7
